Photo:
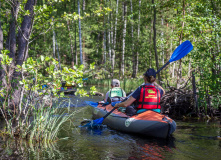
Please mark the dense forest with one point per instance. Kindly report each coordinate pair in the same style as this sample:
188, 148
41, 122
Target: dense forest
121, 38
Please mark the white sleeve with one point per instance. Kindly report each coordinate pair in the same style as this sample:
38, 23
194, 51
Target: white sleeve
124, 93
107, 95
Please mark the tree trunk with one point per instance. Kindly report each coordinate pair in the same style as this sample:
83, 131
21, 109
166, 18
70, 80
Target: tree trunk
80, 42
162, 45
154, 39
25, 32
1, 38
109, 42
54, 46
179, 72
150, 51
11, 41
83, 6
115, 37
124, 5
71, 44
75, 40
56, 43
2, 72
104, 43
112, 42
138, 39
83, 36
132, 41
1, 35
23, 41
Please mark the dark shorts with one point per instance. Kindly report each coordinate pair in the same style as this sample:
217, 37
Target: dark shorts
131, 110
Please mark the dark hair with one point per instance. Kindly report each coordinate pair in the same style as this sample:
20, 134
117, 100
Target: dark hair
150, 79
116, 85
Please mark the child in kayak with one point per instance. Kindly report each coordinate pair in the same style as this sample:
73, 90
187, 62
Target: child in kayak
147, 96
115, 93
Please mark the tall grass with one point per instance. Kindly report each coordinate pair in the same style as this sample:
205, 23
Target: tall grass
42, 123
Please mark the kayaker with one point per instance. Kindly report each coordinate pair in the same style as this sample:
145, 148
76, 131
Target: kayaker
147, 96
115, 93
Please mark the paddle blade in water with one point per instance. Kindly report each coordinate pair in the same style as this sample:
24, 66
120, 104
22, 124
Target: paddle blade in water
94, 123
98, 121
181, 51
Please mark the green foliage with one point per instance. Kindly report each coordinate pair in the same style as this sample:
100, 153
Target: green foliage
38, 102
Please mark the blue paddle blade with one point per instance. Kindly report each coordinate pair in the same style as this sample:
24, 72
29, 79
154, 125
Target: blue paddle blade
94, 123
181, 51
98, 121
92, 104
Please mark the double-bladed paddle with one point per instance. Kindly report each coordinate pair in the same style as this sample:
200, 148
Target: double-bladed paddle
181, 51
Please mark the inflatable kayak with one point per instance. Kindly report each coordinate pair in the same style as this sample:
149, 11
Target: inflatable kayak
148, 123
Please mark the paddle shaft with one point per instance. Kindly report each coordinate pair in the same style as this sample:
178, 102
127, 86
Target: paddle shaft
163, 67
109, 113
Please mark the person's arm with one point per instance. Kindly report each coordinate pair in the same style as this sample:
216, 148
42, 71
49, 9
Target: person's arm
125, 103
107, 95
124, 93
157, 85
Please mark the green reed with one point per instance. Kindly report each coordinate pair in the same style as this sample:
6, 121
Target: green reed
43, 121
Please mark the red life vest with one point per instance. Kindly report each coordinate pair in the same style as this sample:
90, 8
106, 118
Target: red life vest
149, 98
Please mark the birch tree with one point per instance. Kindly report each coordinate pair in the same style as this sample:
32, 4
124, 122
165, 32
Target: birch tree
124, 5
115, 37
136, 58
104, 40
132, 37
80, 41
109, 40
71, 44
75, 38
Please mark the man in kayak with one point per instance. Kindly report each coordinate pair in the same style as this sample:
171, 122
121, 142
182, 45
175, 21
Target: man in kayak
147, 96
115, 93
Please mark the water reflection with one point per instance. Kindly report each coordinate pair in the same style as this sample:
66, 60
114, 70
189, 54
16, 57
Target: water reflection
22, 149
154, 148
127, 146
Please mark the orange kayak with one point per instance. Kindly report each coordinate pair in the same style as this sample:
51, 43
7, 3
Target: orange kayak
148, 123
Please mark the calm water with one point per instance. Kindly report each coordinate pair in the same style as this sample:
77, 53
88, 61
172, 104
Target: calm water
191, 140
